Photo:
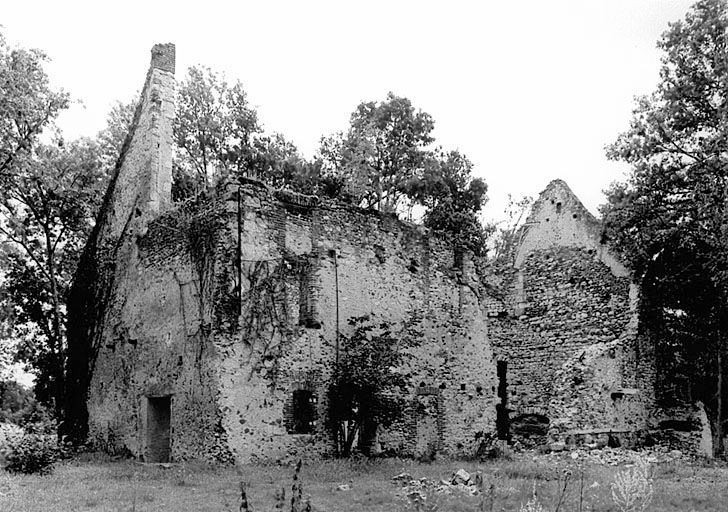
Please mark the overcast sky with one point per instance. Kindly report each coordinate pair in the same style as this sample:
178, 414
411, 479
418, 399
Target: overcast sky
530, 91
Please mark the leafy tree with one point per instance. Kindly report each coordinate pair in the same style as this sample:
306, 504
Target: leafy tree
28, 105
46, 210
218, 134
365, 390
49, 193
15, 401
112, 137
214, 126
452, 198
384, 148
674, 202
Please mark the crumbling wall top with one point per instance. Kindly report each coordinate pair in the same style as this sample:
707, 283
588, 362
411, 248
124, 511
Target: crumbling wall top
163, 57
558, 218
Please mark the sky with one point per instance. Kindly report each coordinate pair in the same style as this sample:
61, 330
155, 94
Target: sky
530, 90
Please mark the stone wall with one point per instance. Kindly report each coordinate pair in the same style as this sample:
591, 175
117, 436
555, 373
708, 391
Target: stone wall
566, 326
304, 271
211, 326
234, 303
158, 343
139, 190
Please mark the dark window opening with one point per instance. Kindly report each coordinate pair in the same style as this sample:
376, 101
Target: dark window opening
306, 306
413, 266
158, 428
558, 207
462, 387
530, 429
379, 253
679, 425
304, 412
501, 421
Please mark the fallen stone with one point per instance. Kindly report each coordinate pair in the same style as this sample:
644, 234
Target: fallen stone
402, 477
558, 446
460, 477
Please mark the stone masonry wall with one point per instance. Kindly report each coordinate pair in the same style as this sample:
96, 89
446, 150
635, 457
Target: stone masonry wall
569, 338
299, 261
139, 191
159, 344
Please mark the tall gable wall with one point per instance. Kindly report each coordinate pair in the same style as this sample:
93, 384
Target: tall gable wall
569, 336
139, 190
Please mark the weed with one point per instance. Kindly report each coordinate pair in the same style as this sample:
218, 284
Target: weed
532, 505
632, 488
244, 505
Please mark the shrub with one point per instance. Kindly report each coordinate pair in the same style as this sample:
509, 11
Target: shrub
632, 488
32, 453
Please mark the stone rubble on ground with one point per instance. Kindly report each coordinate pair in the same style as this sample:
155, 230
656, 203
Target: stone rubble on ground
618, 456
461, 481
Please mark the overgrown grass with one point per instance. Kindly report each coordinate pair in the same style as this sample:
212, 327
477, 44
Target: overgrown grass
100, 484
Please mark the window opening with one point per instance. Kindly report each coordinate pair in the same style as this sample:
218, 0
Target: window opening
304, 412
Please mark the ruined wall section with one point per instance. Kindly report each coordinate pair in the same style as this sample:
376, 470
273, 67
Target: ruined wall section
298, 259
159, 343
570, 338
558, 218
139, 190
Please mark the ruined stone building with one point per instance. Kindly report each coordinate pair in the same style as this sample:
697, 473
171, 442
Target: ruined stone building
207, 329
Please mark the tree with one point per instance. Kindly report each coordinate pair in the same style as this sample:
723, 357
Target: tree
452, 199
112, 137
217, 134
365, 390
46, 210
674, 202
49, 193
384, 148
28, 105
214, 126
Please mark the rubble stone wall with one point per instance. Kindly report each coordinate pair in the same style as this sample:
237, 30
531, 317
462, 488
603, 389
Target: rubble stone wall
311, 259
570, 328
157, 343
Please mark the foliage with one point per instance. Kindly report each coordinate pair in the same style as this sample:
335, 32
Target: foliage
676, 146
673, 206
49, 194
32, 453
214, 125
15, 401
47, 208
452, 198
632, 489
217, 135
385, 162
384, 148
28, 105
504, 241
365, 391
32, 210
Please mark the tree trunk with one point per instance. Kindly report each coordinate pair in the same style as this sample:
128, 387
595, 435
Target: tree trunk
55, 344
718, 443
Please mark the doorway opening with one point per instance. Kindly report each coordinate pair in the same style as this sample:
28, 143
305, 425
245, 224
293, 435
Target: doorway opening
501, 419
158, 428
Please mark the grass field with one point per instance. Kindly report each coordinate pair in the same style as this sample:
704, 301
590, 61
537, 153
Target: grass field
103, 485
